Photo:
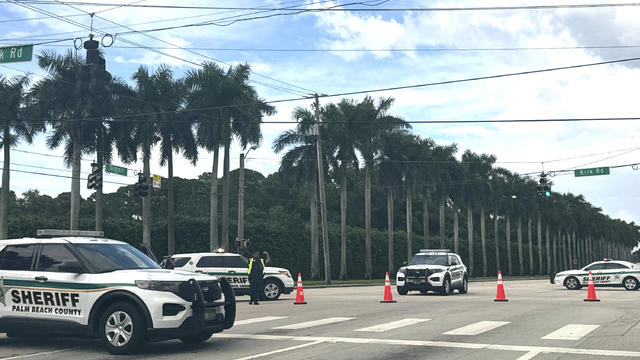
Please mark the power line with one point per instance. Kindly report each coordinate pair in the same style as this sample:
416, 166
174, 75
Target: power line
409, 9
590, 155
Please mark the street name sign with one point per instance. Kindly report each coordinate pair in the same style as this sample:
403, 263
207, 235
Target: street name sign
115, 169
592, 171
16, 53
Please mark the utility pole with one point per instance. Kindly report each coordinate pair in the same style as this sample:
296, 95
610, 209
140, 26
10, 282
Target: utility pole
241, 195
323, 203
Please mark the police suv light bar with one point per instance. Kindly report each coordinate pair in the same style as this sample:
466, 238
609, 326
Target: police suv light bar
79, 233
435, 250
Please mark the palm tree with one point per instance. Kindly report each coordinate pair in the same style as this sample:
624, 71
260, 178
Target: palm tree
341, 130
378, 121
14, 129
57, 99
176, 134
299, 162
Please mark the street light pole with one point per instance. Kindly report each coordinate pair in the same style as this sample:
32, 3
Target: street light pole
241, 194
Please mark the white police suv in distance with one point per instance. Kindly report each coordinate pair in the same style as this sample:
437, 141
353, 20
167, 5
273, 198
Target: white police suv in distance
605, 273
234, 268
106, 289
433, 269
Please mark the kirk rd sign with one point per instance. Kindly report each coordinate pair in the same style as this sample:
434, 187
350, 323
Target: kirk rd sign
9, 54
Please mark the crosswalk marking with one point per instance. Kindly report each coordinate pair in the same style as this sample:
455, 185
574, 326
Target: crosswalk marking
571, 332
308, 324
257, 320
477, 328
393, 325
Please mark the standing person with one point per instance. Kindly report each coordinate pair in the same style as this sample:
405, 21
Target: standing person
256, 274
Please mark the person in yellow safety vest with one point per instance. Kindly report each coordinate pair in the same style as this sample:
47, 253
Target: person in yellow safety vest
256, 274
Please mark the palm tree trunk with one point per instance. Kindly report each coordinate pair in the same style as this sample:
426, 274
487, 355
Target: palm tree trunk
530, 247
367, 220
496, 239
146, 200
508, 235
99, 205
226, 189
75, 186
442, 225
520, 257
483, 237
470, 238
425, 222
569, 251
171, 216
214, 242
343, 228
390, 227
540, 246
456, 239
561, 251
315, 264
4, 191
548, 241
409, 224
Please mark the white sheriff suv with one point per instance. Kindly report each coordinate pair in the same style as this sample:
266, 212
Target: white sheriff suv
605, 273
233, 267
106, 289
433, 269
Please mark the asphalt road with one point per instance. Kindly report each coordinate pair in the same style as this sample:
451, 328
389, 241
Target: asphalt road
539, 322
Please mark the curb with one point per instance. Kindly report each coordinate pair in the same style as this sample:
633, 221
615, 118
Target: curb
393, 283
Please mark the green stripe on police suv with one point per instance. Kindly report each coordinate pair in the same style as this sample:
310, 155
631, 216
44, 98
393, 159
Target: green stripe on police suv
61, 285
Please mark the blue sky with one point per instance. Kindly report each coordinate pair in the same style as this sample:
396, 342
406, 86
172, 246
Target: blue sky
604, 91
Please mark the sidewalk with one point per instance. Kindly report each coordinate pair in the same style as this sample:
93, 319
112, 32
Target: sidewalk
319, 284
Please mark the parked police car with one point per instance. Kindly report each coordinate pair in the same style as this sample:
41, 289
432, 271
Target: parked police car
604, 273
437, 270
234, 268
107, 289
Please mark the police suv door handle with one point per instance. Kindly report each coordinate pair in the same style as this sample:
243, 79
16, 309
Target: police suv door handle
41, 278
232, 271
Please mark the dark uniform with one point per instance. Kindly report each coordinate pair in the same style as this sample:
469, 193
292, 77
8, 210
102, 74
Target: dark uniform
256, 274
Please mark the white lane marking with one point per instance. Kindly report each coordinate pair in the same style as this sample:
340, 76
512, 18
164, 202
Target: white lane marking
37, 354
571, 332
446, 344
309, 324
393, 325
477, 328
257, 320
280, 350
528, 356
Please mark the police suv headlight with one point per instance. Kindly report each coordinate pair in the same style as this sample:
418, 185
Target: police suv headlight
168, 286
285, 273
402, 271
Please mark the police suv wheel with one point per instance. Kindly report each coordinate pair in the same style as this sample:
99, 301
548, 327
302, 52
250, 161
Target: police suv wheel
465, 286
446, 287
197, 338
572, 283
630, 283
402, 290
122, 328
271, 290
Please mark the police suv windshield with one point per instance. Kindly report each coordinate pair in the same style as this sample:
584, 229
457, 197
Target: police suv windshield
427, 259
112, 257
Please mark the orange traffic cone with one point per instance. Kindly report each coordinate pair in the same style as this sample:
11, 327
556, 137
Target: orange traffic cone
388, 298
591, 290
299, 292
500, 290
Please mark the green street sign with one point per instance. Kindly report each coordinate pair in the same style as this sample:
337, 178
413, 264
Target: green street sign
592, 171
114, 169
16, 53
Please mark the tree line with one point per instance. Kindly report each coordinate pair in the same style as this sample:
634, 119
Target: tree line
379, 174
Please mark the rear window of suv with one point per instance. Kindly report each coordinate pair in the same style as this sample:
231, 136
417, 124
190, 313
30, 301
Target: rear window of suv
181, 261
17, 257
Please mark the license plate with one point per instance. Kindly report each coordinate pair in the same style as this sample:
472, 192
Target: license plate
210, 314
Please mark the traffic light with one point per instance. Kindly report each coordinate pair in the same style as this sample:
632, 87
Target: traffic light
82, 80
141, 188
97, 69
543, 189
94, 180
